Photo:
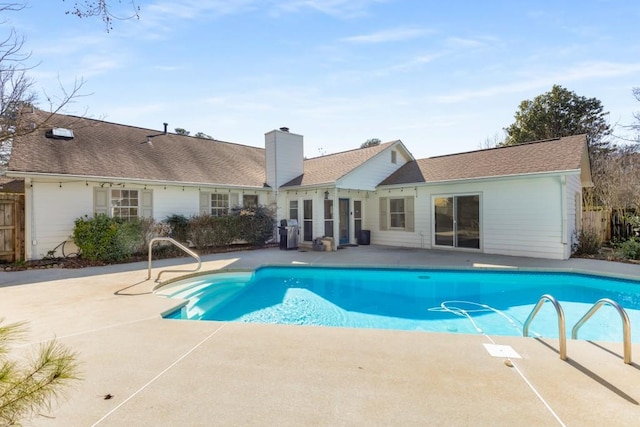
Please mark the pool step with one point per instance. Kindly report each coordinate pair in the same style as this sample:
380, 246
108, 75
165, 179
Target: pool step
216, 296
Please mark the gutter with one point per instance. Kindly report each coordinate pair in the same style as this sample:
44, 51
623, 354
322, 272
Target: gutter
113, 180
479, 179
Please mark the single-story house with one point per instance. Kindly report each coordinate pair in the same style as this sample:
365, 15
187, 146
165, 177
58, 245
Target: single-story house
521, 200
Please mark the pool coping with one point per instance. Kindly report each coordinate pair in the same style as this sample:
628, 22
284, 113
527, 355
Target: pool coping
288, 375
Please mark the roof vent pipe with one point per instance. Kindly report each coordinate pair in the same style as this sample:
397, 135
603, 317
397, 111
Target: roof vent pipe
284, 129
165, 127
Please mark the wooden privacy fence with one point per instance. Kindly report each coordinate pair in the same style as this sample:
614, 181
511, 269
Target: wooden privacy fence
11, 227
598, 222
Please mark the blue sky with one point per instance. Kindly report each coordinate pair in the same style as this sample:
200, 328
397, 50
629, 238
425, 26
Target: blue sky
441, 76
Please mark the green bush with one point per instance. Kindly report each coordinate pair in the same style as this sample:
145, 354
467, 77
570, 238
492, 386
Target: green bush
588, 243
179, 225
255, 225
631, 248
102, 238
225, 230
109, 240
200, 230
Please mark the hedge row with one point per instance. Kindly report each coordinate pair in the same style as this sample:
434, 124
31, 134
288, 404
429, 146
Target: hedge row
107, 239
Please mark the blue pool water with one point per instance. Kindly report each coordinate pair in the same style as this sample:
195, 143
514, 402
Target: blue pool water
454, 301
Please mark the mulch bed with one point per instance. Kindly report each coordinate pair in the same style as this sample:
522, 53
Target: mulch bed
79, 262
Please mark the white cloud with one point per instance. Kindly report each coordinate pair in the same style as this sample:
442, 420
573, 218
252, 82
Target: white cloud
579, 72
345, 9
392, 35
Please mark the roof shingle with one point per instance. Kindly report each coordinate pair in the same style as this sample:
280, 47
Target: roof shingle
103, 149
561, 154
328, 169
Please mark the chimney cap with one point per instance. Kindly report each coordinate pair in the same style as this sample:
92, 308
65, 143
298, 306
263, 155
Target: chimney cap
284, 129
165, 127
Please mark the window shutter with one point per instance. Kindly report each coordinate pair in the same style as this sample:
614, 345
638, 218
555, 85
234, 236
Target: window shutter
409, 214
101, 201
146, 200
234, 200
205, 203
383, 213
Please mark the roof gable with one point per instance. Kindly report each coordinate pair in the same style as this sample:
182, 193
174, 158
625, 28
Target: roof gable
109, 150
330, 168
561, 154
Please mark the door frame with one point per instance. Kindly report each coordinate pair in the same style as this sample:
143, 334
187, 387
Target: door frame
344, 202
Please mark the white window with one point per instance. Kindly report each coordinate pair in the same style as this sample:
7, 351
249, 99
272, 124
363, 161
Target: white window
394, 157
250, 201
293, 209
328, 218
397, 213
123, 203
219, 204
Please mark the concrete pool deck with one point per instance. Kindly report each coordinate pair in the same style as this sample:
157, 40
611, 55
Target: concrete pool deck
189, 373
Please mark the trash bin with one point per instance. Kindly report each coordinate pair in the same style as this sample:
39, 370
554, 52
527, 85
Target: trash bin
365, 237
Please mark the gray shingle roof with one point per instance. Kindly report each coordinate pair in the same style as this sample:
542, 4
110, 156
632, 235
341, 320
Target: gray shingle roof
103, 149
328, 169
562, 154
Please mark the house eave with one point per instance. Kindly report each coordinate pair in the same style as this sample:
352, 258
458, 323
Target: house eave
65, 178
481, 179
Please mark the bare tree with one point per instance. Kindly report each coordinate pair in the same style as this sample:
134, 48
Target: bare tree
17, 90
104, 10
636, 126
497, 140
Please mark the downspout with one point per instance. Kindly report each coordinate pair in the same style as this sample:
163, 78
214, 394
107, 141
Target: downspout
336, 219
563, 192
29, 223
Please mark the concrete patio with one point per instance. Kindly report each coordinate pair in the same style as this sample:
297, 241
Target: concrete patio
189, 373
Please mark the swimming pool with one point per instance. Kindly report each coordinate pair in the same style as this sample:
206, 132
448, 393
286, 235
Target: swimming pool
454, 301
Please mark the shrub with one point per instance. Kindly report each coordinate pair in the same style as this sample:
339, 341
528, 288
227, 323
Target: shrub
179, 225
107, 239
226, 230
631, 248
588, 243
255, 225
200, 230
100, 239
145, 230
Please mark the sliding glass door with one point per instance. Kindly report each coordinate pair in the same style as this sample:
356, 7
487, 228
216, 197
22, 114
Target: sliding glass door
457, 221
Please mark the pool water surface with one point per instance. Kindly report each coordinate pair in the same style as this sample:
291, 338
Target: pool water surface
450, 301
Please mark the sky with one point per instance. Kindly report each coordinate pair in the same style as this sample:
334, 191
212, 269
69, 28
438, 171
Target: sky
443, 77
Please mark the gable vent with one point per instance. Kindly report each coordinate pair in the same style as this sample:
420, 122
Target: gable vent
60, 133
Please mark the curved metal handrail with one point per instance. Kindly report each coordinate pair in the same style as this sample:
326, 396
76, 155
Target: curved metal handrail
562, 336
179, 245
626, 325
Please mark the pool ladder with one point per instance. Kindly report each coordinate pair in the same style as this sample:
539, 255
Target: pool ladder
179, 245
626, 325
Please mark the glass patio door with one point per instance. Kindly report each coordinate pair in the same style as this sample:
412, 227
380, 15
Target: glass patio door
457, 221
343, 216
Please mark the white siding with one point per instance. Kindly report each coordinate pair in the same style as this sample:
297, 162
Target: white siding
54, 208
284, 157
373, 172
520, 216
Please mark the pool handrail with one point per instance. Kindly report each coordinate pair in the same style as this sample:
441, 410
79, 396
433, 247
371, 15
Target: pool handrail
626, 325
179, 245
562, 336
